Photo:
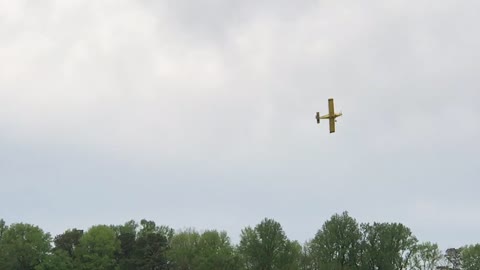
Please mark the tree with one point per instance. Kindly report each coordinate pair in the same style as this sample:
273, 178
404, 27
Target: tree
266, 247
126, 234
215, 252
149, 226
151, 246
292, 258
471, 257
150, 252
97, 249
454, 258
337, 244
184, 249
426, 257
58, 260
307, 259
23, 246
386, 246
3, 228
68, 241
209, 250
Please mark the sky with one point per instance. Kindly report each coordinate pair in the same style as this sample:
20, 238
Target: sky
201, 114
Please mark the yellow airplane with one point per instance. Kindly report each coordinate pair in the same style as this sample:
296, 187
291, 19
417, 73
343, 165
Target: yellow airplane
330, 116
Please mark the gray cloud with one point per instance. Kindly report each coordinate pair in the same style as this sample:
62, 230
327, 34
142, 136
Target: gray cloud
200, 113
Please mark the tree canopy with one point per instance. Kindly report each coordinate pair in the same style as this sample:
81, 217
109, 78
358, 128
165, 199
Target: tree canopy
339, 244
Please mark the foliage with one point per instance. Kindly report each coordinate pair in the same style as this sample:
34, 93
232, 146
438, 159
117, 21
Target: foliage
387, 246
337, 244
214, 251
58, 260
126, 234
97, 249
3, 228
23, 246
454, 258
307, 261
184, 249
151, 246
68, 241
209, 250
340, 244
266, 247
471, 257
426, 257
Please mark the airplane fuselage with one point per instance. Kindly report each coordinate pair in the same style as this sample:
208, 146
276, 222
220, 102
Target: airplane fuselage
328, 116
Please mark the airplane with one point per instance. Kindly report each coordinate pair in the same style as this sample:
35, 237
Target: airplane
330, 116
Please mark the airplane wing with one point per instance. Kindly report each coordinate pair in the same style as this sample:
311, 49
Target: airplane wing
332, 125
331, 109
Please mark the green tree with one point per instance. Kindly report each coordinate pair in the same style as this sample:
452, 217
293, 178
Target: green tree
151, 246
129, 227
3, 228
307, 258
266, 247
150, 252
184, 249
215, 252
126, 234
337, 244
148, 227
292, 258
453, 257
58, 260
97, 249
426, 257
471, 257
68, 241
23, 246
386, 246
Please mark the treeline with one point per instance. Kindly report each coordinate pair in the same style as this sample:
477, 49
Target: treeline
340, 244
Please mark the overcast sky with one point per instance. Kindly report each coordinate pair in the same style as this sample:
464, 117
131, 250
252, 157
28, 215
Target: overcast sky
201, 114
